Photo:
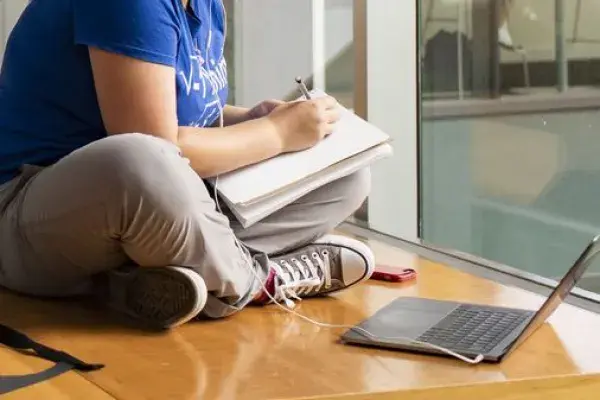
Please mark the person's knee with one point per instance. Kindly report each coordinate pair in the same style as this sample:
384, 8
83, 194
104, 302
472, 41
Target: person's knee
132, 152
156, 202
140, 167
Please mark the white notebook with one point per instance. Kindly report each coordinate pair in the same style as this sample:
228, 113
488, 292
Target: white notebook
254, 192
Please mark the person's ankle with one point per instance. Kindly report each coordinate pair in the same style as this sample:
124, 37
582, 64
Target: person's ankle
262, 296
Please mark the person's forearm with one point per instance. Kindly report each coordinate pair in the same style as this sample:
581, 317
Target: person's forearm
214, 151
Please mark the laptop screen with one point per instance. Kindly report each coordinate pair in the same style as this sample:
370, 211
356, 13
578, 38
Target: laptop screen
562, 290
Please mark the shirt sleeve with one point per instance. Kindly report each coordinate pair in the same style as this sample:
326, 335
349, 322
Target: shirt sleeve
144, 29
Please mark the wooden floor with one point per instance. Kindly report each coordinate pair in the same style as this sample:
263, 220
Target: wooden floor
264, 353
68, 386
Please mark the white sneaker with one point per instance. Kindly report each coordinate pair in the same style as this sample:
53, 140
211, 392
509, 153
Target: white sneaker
162, 297
328, 265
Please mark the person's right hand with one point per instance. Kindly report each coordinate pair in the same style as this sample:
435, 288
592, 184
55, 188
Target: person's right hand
302, 124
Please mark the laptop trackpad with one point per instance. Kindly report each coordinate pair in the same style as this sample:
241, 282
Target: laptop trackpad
407, 317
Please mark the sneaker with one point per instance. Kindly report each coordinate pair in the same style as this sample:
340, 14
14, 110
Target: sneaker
328, 265
162, 297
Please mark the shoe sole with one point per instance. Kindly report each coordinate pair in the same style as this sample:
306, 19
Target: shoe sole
162, 298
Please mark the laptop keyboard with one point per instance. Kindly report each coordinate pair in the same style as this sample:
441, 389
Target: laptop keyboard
473, 329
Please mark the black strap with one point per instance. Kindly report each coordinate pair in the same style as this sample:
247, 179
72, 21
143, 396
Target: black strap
20, 342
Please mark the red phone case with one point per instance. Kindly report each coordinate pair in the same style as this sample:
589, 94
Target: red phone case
393, 274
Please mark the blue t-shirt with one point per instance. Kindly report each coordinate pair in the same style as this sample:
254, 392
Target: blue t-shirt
48, 104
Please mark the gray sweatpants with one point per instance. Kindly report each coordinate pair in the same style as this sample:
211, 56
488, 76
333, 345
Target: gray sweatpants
132, 198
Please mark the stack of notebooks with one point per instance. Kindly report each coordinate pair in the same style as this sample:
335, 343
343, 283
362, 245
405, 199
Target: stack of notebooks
254, 192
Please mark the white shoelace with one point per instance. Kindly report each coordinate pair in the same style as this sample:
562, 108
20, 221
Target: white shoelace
300, 277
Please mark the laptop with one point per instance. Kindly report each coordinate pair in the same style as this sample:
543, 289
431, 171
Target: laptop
471, 330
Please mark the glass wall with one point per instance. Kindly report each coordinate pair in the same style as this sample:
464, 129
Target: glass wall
510, 130
339, 79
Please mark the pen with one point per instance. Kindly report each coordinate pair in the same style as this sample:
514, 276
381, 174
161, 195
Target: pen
302, 88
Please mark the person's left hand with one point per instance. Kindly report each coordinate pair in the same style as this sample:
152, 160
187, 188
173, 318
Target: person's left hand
264, 108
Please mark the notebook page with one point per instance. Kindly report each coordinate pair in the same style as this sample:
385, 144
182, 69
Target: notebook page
352, 135
248, 215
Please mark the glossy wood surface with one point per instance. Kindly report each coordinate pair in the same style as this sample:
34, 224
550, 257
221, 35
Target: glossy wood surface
69, 386
582, 387
265, 353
